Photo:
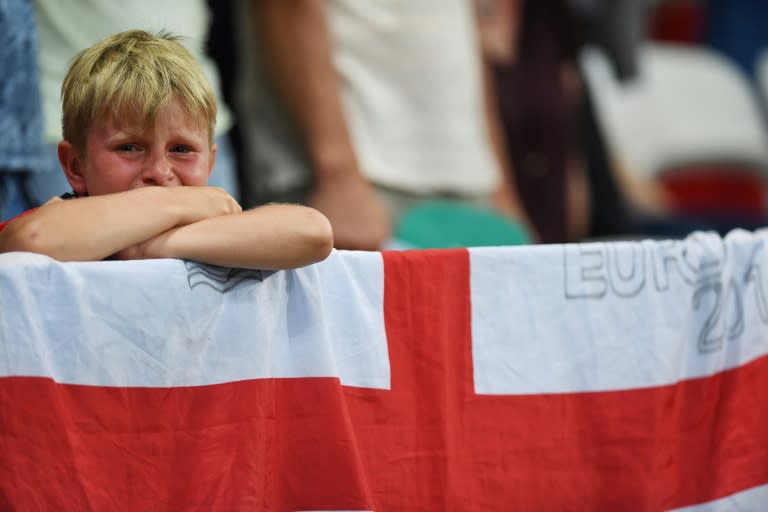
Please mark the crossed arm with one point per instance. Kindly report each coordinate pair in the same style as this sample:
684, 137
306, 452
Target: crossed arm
199, 223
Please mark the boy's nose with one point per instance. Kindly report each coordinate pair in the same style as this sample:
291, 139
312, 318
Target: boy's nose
158, 171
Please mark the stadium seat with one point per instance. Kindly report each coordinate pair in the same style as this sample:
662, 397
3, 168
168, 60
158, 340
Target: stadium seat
442, 224
691, 121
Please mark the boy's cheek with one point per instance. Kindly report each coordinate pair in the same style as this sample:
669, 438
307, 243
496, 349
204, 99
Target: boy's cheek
197, 176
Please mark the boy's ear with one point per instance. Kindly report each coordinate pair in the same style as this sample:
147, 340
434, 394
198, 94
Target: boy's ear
214, 149
72, 164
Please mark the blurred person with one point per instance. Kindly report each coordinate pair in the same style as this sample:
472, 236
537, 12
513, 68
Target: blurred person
20, 110
365, 109
570, 184
619, 27
68, 26
534, 64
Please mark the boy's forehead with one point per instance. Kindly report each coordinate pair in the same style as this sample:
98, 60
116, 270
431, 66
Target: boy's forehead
124, 118
132, 119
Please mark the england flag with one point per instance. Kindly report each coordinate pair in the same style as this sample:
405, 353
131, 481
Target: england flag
599, 377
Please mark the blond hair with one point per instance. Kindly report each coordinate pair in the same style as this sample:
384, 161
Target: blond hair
133, 72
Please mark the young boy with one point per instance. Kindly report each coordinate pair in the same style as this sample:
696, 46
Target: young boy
137, 150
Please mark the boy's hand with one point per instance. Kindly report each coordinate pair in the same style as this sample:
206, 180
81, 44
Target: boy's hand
129, 253
198, 203
193, 205
155, 247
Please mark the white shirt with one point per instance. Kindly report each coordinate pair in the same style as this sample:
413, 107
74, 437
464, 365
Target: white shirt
413, 94
66, 27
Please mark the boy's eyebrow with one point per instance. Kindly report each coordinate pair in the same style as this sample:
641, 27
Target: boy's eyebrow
128, 123
121, 133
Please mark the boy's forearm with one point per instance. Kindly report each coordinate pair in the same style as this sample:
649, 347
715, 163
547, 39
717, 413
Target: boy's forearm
271, 237
93, 228
89, 228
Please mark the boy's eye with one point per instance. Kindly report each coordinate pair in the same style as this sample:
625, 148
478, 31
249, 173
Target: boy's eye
181, 148
128, 148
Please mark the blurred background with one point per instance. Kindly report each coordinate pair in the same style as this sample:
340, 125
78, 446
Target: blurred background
618, 118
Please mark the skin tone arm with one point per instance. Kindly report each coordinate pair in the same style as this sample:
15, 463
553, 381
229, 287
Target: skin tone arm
200, 223
298, 46
275, 236
498, 23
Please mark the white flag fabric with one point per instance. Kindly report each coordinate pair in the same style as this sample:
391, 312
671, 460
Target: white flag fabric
605, 376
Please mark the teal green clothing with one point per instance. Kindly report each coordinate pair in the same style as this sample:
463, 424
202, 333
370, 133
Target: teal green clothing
443, 224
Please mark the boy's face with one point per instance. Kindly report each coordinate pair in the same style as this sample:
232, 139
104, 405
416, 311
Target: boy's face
125, 152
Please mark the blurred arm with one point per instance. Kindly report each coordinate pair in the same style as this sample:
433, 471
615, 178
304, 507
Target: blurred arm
299, 54
498, 24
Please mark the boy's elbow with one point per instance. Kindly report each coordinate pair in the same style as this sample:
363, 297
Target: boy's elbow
25, 235
318, 235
